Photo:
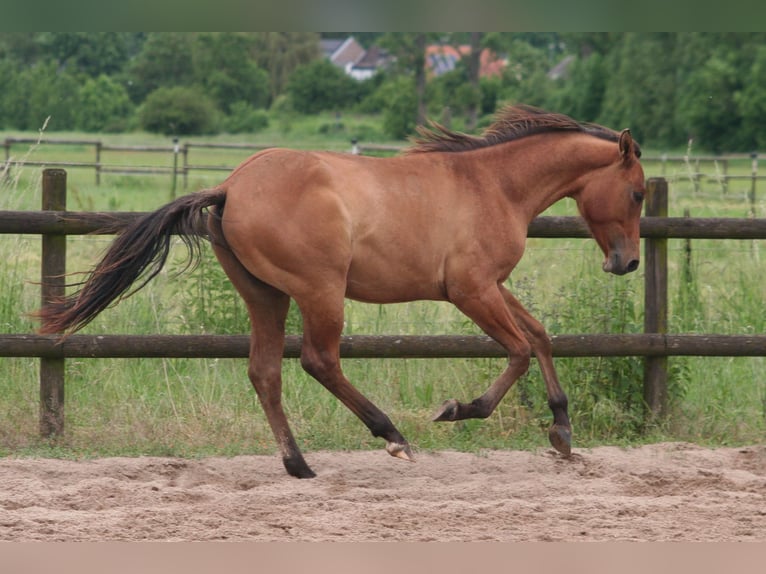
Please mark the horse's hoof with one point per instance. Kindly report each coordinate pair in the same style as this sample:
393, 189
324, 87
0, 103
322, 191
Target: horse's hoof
447, 412
400, 450
298, 468
561, 439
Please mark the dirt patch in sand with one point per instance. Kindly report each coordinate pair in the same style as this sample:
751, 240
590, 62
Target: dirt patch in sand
665, 491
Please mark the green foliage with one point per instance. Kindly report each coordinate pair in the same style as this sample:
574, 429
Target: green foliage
584, 98
165, 60
224, 69
667, 87
708, 107
641, 87
605, 393
452, 90
751, 102
93, 53
103, 105
401, 111
280, 53
320, 86
243, 118
210, 304
39, 92
178, 111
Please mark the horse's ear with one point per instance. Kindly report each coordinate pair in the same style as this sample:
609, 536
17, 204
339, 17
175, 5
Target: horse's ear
627, 148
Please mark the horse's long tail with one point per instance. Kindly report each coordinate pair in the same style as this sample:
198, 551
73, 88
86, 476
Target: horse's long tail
140, 251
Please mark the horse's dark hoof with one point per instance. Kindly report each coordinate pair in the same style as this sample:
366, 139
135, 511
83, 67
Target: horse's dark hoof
298, 468
447, 412
561, 439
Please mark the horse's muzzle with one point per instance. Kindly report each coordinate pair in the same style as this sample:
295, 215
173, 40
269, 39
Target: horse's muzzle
615, 265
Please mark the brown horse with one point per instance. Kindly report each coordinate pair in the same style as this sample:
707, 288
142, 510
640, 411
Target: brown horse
447, 221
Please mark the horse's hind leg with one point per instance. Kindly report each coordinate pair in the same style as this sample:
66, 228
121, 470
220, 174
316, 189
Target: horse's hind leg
560, 433
320, 357
268, 310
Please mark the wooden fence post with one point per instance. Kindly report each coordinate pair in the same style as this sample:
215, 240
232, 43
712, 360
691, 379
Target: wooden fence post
176, 149
98, 163
53, 286
656, 300
185, 169
753, 181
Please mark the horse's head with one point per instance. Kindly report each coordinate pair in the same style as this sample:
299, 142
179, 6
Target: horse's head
610, 201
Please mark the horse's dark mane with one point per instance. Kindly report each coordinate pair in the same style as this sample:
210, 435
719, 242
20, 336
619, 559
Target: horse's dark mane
511, 123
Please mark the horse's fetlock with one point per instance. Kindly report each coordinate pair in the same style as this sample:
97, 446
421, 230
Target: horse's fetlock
480, 409
559, 403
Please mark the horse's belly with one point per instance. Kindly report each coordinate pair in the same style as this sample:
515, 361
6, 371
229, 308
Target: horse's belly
387, 283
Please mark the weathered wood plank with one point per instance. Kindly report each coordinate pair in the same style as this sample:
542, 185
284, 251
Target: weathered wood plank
105, 223
378, 346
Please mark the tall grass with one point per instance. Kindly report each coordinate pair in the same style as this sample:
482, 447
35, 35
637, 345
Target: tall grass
199, 407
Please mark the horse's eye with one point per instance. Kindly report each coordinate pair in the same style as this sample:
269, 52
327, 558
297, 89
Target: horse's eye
638, 196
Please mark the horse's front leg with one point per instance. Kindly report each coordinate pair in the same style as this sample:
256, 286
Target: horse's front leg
504, 319
560, 433
487, 308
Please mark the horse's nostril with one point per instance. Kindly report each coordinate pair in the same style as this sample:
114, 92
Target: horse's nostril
632, 265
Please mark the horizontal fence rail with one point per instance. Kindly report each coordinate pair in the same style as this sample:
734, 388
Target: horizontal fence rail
377, 346
107, 223
178, 162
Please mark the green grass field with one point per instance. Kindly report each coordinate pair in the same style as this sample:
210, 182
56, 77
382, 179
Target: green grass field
202, 407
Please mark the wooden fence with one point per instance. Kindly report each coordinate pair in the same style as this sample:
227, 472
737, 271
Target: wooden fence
178, 164
54, 223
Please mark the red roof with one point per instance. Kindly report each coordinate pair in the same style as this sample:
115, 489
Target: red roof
441, 58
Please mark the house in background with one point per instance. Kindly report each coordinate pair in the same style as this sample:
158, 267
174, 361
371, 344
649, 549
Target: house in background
361, 64
353, 59
443, 58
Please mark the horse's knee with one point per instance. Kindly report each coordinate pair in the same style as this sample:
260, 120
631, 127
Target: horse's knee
520, 355
319, 364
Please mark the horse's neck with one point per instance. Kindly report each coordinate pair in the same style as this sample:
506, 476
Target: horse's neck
537, 171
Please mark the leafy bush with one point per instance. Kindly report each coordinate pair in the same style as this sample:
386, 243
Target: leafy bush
36, 93
243, 118
212, 305
400, 114
320, 86
180, 110
104, 105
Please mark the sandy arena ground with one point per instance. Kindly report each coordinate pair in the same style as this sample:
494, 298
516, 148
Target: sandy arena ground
671, 491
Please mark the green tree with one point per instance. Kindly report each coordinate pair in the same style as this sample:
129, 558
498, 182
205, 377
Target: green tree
102, 105
8, 73
281, 53
320, 86
243, 118
751, 103
641, 86
225, 69
180, 110
93, 53
23, 48
708, 108
42, 94
409, 51
400, 113
581, 94
165, 60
